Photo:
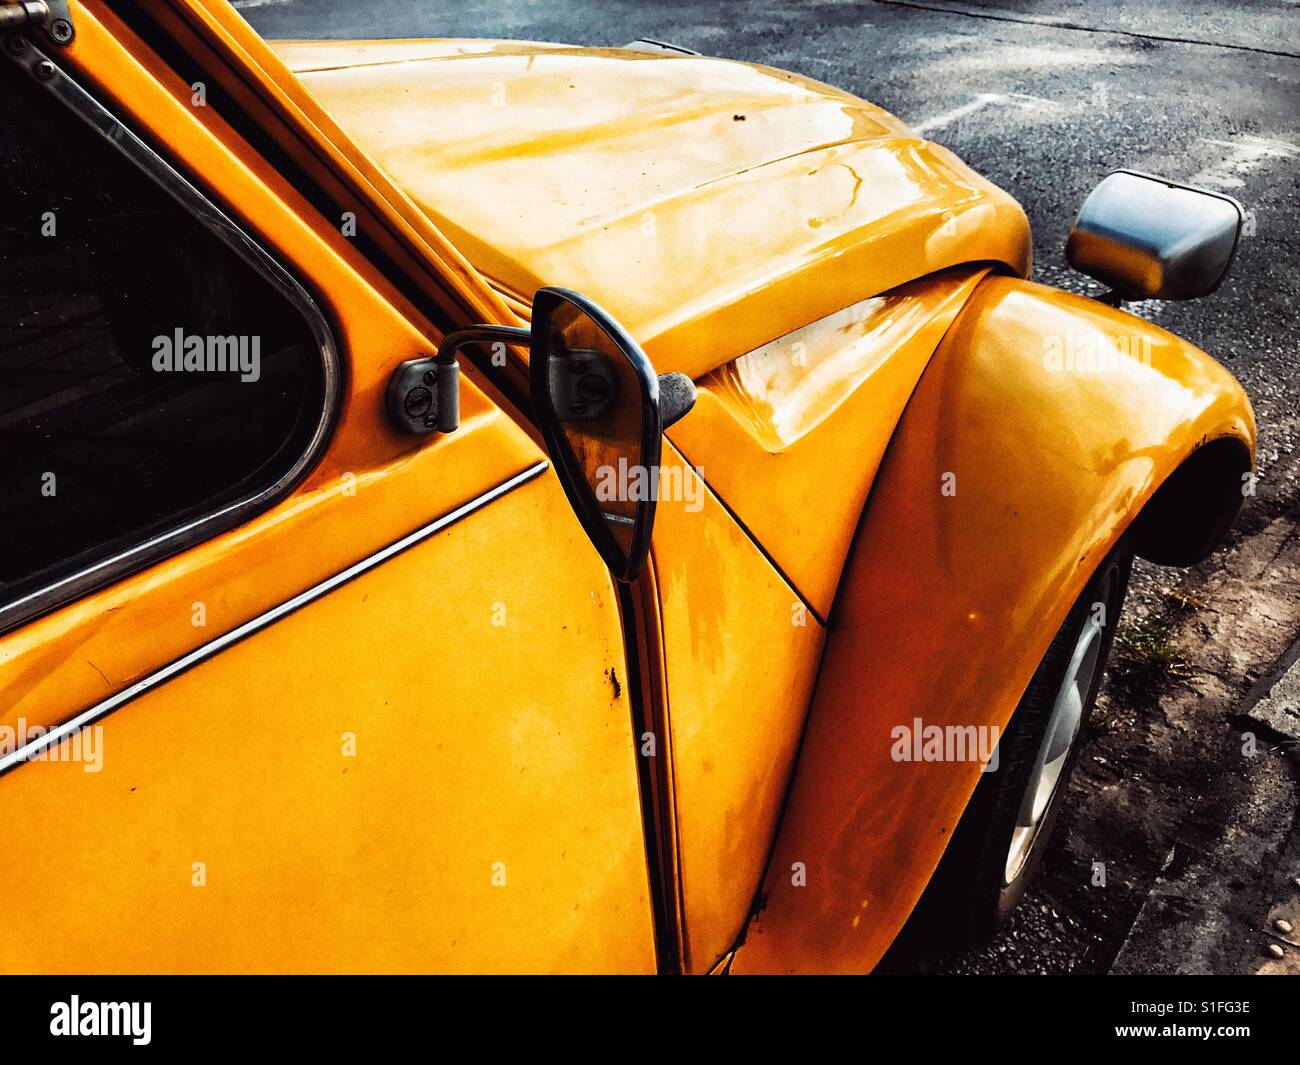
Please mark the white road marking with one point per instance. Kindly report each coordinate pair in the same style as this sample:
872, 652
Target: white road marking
983, 100
1245, 155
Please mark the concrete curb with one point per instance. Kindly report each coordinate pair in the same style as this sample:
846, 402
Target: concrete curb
1231, 906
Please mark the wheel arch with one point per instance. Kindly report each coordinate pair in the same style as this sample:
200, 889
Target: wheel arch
949, 601
1191, 511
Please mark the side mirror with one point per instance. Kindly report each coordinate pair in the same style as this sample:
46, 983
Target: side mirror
597, 401
1149, 238
602, 410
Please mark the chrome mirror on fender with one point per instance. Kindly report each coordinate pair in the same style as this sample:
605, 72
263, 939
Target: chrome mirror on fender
1148, 238
597, 401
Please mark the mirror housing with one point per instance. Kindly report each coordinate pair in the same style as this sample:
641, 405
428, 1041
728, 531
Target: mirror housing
598, 404
1148, 238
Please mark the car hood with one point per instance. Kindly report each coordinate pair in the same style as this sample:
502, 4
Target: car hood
712, 206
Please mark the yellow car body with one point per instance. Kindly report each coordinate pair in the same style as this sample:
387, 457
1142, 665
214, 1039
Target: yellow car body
420, 727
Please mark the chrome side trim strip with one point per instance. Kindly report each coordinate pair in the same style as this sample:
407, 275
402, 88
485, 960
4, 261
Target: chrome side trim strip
207, 650
175, 185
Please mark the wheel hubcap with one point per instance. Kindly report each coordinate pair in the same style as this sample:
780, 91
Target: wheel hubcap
1058, 738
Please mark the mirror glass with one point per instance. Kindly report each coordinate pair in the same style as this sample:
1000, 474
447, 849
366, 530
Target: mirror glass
596, 400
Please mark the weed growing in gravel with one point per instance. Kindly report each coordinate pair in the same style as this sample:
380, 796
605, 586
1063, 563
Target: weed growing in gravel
1144, 656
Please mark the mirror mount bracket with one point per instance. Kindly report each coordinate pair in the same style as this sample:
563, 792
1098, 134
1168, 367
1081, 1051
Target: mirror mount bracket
424, 394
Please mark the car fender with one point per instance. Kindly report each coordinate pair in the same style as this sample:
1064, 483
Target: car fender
1044, 427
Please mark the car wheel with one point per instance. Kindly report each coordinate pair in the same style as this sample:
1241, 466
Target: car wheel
1004, 831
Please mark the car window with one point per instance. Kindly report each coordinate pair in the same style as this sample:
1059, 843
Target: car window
149, 374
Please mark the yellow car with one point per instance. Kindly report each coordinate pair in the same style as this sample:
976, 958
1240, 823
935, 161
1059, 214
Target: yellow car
484, 506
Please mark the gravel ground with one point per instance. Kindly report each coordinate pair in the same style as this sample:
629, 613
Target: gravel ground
1045, 99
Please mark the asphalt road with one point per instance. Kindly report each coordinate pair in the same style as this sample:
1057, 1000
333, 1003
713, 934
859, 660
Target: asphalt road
1044, 98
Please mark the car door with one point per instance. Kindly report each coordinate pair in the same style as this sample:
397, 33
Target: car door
282, 689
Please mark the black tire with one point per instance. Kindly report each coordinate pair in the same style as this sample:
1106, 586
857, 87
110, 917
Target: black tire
968, 898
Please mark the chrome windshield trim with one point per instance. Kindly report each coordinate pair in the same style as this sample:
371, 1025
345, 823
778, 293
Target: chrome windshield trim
100, 710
